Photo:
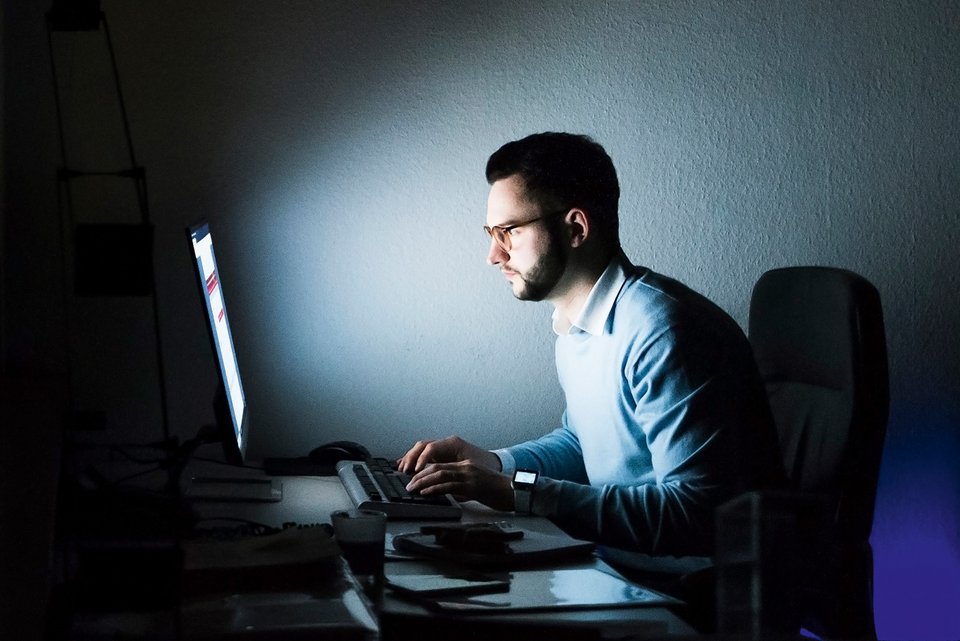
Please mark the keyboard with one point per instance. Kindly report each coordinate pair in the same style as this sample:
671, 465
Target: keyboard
376, 485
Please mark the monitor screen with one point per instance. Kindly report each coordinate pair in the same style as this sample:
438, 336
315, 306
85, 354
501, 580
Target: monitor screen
230, 404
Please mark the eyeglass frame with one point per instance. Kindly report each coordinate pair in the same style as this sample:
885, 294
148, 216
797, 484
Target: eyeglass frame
506, 244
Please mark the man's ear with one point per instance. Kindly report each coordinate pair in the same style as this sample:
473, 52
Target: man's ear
578, 226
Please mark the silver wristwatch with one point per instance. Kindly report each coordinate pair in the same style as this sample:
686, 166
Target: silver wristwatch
523, 483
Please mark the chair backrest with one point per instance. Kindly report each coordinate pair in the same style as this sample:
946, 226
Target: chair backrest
818, 338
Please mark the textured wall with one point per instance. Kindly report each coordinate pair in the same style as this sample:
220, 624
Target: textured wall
338, 149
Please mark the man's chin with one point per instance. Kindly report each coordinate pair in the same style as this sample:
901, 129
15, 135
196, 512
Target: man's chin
521, 291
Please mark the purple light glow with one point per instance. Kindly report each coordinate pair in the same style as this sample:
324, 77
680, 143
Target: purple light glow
916, 533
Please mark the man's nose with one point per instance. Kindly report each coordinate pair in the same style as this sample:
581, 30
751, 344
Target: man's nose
496, 255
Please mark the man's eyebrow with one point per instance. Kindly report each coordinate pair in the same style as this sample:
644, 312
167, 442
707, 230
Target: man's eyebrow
511, 222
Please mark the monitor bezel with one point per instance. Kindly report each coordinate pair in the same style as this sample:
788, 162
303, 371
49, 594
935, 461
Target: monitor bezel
228, 431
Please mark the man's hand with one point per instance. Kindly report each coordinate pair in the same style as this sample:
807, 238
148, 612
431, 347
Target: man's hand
452, 449
466, 481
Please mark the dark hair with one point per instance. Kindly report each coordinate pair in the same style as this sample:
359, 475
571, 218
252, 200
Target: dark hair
562, 170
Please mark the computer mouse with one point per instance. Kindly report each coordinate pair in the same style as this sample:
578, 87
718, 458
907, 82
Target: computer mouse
332, 453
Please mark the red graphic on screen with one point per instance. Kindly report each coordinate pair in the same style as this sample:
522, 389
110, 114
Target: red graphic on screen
212, 282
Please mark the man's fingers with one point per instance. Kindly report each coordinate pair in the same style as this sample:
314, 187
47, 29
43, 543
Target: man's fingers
426, 458
432, 474
410, 462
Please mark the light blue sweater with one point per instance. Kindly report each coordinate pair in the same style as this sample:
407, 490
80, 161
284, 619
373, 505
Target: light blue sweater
665, 419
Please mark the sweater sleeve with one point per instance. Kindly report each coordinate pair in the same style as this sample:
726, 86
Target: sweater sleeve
555, 455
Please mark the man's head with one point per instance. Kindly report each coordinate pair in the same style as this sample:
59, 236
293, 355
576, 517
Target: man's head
563, 171
553, 202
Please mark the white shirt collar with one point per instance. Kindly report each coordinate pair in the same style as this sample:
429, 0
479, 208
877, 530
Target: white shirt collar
596, 310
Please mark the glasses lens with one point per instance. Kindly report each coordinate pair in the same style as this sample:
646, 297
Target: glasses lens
500, 236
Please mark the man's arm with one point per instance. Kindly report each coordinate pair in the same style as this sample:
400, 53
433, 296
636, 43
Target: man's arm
702, 417
556, 455
454, 466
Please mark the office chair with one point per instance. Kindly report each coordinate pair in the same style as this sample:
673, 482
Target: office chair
818, 338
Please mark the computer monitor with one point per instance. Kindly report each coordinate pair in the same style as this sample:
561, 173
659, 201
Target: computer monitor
230, 405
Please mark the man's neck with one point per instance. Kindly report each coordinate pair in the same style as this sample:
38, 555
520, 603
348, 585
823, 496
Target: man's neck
578, 282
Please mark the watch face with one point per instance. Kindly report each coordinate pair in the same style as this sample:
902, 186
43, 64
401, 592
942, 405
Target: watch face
524, 477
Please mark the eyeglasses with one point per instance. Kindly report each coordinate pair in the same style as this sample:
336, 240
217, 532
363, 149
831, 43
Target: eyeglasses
502, 233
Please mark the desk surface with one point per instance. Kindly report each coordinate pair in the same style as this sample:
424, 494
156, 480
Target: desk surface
312, 499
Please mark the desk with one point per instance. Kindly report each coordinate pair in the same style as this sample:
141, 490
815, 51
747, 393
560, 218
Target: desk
310, 500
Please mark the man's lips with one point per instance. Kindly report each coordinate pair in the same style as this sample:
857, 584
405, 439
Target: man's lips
507, 273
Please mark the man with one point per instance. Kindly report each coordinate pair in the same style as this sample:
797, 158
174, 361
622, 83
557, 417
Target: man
665, 414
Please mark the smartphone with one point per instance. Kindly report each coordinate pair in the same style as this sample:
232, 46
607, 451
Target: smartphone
433, 585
